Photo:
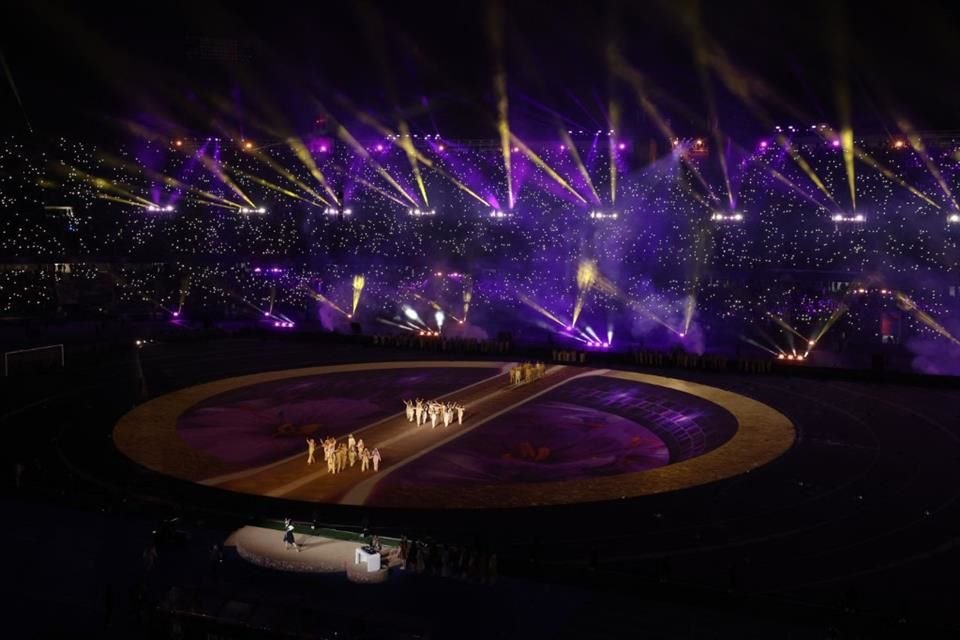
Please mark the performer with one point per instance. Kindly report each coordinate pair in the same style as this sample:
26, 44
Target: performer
311, 449
352, 450
433, 415
376, 459
460, 409
288, 539
365, 460
419, 411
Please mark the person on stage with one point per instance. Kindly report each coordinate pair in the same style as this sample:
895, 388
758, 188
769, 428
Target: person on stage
352, 450
460, 409
376, 459
311, 449
365, 460
288, 538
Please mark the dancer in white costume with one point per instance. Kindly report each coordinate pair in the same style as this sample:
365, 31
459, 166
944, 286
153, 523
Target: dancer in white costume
460, 409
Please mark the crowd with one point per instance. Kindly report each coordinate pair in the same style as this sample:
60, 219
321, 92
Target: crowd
344, 454
420, 412
787, 257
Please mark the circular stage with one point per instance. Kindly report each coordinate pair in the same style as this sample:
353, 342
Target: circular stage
575, 435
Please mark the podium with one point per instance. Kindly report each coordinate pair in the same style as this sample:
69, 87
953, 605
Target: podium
369, 557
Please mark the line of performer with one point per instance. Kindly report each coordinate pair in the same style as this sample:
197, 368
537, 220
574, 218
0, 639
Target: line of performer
346, 453
420, 412
527, 372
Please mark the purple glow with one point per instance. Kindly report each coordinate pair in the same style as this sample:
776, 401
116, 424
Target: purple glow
836, 143
257, 270
176, 314
379, 147
621, 146
763, 144
323, 148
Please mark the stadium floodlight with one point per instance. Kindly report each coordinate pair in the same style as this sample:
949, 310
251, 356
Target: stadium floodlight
417, 212
724, 216
499, 214
253, 210
158, 208
597, 214
953, 218
842, 218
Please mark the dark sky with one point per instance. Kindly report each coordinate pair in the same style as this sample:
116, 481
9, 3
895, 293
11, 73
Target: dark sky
81, 66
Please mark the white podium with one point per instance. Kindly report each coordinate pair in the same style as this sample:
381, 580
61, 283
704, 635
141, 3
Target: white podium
372, 560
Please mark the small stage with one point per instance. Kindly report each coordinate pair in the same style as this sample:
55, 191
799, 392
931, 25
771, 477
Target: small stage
318, 554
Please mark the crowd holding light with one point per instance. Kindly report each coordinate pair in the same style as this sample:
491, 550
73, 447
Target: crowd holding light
655, 259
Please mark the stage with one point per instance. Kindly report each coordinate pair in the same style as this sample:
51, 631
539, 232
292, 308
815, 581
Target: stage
576, 435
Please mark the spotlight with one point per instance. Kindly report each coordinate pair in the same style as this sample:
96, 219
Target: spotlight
337, 211
899, 144
253, 210
621, 146
953, 218
323, 148
811, 343
835, 143
176, 314
157, 208
441, 148
178, 143
780, 356
764, 144
500, 214
248, 145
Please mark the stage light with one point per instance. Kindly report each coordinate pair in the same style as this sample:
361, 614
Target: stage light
597, 214
157, 208
953, 218
176, 314
811, 343
835, 143
323, 148
499, 214
337, 211
847, 218
723, 216
899, 144
178, 143
253, 210
621, 146
379, 147
418, 212
763, 144
780, 356
441, 148
248, 145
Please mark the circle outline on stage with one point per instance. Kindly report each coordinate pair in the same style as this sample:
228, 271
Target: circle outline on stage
148, 435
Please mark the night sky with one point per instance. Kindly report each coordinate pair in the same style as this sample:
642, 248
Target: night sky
81, 67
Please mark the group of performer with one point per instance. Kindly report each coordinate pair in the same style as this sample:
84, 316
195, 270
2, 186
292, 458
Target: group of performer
339, 456
420, 412
527, 372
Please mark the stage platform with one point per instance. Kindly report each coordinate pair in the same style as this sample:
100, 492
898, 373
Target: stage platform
264, 547
574, 435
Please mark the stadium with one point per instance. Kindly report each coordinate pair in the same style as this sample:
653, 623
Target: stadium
303, 363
